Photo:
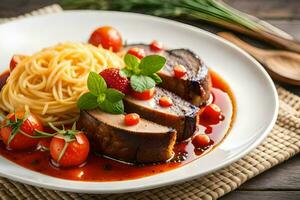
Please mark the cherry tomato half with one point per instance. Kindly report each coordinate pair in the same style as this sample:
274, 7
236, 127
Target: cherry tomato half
108, 37
146, 95
211, 114
21, 141
131, 119
76, 153
165, 101
137, 52
179, 71
156, 46
201, 141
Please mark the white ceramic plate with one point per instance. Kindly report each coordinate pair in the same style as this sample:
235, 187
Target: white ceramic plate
256, 97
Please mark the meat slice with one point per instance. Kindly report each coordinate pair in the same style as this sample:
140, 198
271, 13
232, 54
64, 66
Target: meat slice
182, 115
142, 143
195, 86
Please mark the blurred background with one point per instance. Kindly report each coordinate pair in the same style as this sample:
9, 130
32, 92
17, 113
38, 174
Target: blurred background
266, 9
284, 14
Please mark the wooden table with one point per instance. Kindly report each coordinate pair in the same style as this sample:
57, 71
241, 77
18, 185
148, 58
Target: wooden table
281, 182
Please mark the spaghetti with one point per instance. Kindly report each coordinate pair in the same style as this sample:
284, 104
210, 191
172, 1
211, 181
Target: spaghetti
51, 81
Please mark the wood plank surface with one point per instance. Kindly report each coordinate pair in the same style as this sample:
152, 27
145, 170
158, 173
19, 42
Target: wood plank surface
12, 8
281, 177
271, 9
262, 195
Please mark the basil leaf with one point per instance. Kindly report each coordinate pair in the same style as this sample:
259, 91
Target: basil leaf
156, 78
151, 64
101, 97
140, 83
96, 84
131, 61
113, 95
125, 73
114, 108
87, 101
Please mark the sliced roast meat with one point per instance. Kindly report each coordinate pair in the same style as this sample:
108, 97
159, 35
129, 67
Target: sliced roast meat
195, 86
142, 143
182, 115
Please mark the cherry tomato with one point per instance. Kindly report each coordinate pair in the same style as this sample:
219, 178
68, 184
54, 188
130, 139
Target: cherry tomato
108, 37
146, 95
137, 52
179, 71
156, 46
181, 147
15, 60
21, 141
201, 141
211, 114
3, 78
76, 153
131, 119
165, 101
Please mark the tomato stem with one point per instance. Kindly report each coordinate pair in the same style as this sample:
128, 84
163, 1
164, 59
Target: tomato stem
67, 135
41, 134
13, 134
54, 128
61, 154
16, 124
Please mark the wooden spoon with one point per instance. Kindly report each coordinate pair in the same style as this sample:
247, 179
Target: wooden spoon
281, 41
281, 65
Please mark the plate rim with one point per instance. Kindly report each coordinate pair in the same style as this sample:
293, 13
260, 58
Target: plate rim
187, 27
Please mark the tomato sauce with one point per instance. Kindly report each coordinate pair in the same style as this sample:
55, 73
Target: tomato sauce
99, 168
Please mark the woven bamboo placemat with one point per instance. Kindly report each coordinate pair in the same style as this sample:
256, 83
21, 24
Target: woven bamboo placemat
282, 143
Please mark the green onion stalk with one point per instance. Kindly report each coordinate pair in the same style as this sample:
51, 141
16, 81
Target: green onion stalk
214, 11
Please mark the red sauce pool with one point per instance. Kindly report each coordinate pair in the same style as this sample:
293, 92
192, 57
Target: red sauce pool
98, 168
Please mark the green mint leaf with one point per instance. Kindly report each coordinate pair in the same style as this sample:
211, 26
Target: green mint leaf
87, 101
113, 95
101, 98
131, 61
125, 73
96, 84
114, 108
140, 83
156, 78
152, 64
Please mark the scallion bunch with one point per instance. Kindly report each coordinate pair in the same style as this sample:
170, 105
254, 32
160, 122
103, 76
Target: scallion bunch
208, 10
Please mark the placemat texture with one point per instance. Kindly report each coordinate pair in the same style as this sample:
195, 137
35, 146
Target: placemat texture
282, 143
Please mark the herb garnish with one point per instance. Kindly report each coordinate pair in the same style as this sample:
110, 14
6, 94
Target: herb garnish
16, 124
214, 11
142, 72
68, 136
107, 99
